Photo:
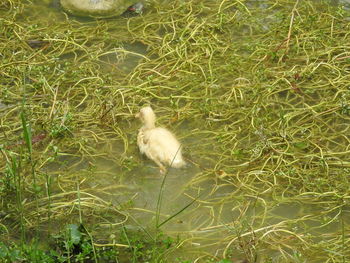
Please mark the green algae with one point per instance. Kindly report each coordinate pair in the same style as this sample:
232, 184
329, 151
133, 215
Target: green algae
257, 91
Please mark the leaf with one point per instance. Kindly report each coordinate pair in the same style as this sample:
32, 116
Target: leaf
74, 233
3, 250
225, 261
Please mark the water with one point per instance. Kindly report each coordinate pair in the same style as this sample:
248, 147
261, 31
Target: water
225, 206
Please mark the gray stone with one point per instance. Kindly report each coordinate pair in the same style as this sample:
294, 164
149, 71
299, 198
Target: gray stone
97, 8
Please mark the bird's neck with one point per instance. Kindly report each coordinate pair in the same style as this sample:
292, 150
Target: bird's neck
149, 125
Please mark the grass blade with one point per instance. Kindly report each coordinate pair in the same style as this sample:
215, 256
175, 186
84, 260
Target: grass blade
27, 133
178, 212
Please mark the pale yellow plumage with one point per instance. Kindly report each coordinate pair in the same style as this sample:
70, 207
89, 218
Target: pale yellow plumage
158, 143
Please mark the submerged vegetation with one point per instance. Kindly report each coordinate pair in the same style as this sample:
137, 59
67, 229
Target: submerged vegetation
258, 92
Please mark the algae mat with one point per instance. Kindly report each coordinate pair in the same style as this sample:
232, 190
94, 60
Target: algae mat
257, 92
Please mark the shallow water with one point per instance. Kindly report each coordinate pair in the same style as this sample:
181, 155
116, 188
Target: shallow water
225, 208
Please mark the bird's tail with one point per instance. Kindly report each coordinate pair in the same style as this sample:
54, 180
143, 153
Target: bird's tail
178, 163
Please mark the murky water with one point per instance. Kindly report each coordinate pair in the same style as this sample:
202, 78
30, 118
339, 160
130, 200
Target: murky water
116, 176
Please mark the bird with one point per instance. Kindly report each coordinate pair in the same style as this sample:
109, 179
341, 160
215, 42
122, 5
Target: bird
158, 143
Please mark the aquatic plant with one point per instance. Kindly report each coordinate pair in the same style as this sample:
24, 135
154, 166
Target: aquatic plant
257, 91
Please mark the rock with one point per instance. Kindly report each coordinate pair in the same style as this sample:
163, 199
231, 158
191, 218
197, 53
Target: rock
97, 8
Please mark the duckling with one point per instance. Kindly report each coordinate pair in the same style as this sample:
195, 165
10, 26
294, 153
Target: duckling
158, 143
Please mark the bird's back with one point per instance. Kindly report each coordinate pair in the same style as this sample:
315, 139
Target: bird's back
163, 144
